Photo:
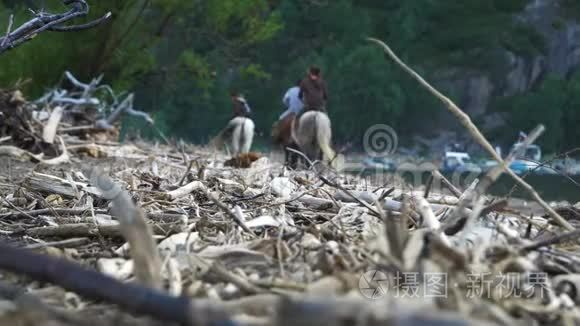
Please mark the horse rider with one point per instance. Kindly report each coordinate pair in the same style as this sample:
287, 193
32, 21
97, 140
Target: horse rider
313, 92
292, 101
240, 105
240, 109
293, 105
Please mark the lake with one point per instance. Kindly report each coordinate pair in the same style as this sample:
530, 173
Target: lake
550, 187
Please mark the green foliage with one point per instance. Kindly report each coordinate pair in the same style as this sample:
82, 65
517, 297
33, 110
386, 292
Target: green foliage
254, 71
555, 104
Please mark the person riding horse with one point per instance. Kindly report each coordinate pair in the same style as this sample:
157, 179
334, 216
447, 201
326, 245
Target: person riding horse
240, 128
240, 105
312, 93
281, 133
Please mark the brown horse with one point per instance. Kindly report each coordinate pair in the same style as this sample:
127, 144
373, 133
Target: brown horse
282, 136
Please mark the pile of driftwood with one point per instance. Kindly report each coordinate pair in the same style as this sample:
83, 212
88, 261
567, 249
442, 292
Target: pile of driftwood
77, 118
178, 236
154, 234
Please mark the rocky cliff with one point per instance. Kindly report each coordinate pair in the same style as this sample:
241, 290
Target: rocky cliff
474, 91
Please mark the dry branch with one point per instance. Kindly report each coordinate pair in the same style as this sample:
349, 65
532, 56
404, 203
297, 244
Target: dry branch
49, 22
97, 286
49, 184
228, 212
476, 134
135, 230
49, 131
23, 155
185, 190
44, 211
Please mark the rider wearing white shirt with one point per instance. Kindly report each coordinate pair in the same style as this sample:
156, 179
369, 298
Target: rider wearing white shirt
292, 101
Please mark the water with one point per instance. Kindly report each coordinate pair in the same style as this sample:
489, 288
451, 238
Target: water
549, 187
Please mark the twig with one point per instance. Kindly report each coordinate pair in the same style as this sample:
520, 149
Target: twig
341, 188
80, 27
392, 232
8, 30
477, 189
495, 206
476, 134
49, 22
67, 242
16, 208
219, 270
568, 236
295, 198
33, 213
428, 186
310, 163
186, 173
279, 251
447, 183
226, 210
386, 193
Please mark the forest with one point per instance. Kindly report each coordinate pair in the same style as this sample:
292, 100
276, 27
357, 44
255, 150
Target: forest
181, 58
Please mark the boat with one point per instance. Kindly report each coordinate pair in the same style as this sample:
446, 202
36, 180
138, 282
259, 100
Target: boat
459, 162
379, 163
528, 161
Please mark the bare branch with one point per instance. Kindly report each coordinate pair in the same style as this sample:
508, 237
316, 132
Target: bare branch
10, 23
476, 134
49, 22
125, 106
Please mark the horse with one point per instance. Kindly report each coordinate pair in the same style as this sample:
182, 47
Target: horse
313, 136
240, 134
282, 136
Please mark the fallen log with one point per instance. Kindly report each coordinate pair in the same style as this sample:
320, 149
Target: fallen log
49, 184
97, 286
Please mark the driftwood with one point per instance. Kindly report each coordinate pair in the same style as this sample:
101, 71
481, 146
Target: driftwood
185, 190
49, 131
23, 155
290, 238
85, 117
135, 230
97, 286
49, 184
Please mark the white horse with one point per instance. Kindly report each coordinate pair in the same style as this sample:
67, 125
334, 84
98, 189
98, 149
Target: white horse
314, 135
240, 134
